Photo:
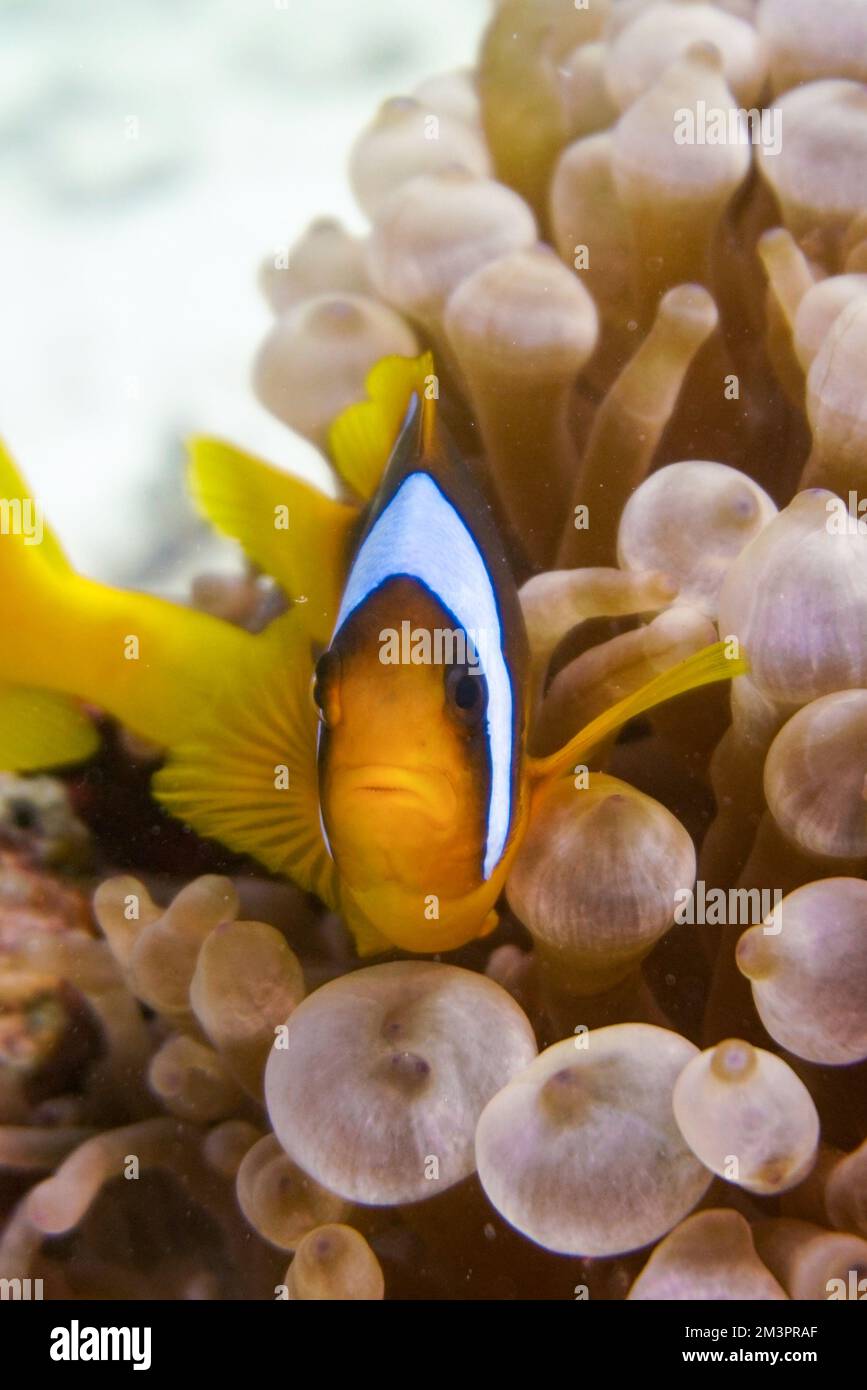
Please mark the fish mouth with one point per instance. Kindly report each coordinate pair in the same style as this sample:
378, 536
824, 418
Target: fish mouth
421, 787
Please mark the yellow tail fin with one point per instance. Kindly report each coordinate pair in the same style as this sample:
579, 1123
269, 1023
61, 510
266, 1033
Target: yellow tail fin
21, 519
151, 663
703, 668
38, 728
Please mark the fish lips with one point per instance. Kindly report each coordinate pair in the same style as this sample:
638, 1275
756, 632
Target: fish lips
424, 789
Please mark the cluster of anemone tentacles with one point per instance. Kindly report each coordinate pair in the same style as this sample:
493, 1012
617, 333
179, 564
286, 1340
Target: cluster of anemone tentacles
657, 352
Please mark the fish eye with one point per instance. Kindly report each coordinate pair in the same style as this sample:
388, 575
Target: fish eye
326, 673
465, 692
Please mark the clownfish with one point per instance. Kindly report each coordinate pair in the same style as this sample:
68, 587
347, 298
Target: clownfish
369, 744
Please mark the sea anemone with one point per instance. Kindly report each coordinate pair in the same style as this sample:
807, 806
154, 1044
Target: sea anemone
711, 1255
383, 1074
335, 1263
716, 1100
580, 1151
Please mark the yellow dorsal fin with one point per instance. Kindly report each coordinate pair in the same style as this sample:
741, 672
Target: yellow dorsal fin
703, 668
289, 528
363, 435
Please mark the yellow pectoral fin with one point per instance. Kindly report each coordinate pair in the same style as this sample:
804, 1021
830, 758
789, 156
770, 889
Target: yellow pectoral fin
290, 529
247, 775
703, 668
363, 435
40, 729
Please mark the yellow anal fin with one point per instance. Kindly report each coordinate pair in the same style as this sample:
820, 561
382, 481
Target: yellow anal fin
41, 729
247, 776
369, 941
703, 668
363, 435
290, 529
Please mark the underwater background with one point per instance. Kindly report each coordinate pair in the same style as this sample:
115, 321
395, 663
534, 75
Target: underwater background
129, 257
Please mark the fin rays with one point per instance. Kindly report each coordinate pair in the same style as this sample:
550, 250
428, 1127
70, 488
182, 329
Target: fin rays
363, 436
290, 529
229, 782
